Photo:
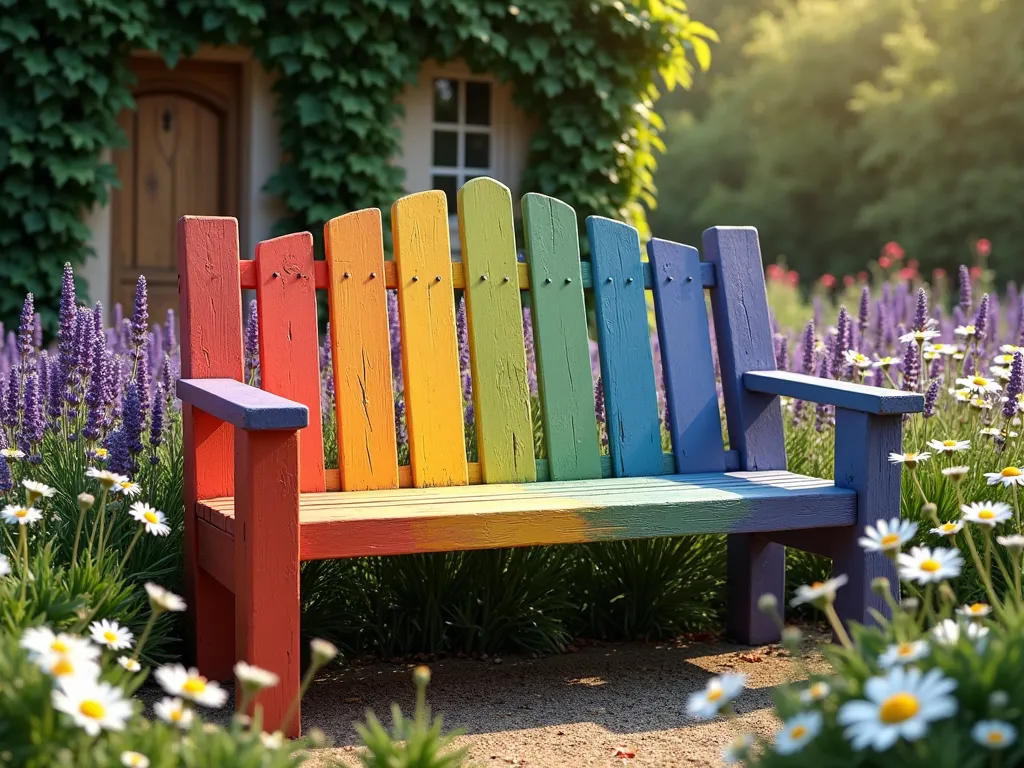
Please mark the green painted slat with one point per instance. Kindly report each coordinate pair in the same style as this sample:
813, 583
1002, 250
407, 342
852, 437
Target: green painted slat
501, 396
560, 335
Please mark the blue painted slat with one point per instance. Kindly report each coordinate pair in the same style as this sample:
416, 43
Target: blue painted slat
707, 275
695, 422
627, 367
842, 394
241, 405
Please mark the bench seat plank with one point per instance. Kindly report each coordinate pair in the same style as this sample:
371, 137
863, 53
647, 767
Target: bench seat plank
393, 522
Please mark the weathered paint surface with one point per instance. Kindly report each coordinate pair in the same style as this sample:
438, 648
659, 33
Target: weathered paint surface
565, 384
361, 352
501, 396
430, 357
242, 406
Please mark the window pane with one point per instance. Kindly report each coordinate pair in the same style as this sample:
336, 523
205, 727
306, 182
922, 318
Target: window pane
446, 100
478, 150
450, 186
478, 103
446, 148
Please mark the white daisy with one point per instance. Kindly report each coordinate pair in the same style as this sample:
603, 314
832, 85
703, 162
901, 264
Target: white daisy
919, 337
887, 536
994, 734
36, 491
5, 566
943, 349
903, 653
12, 454
980, 403
947, 632
820, 592
996, 432
1003, 374
962, 395
134, 760
14, 515
816, 691
154, 521
174, 711
910, 460
1007, 476
857, 359
188, 683
100, 453
797, 731
738, 749
1010, 349
162, 600
40, 641
1014, 542
323, 650
949, 446
719, 691
900, 705
93, 705
127, 487
105, 477
949, 529
980, 384
886, 362
925, 565
129, 663
1003, 360
975, 610
956, 474
254, 678
110, 634
990, 513
273, 740
966, 331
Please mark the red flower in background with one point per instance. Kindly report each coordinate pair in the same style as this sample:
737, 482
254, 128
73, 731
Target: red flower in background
984, 246
849, 280
893, 250
793, 278
776, 272
827, 281
939, 273
907, 273
862, 276
975, 273
885, 262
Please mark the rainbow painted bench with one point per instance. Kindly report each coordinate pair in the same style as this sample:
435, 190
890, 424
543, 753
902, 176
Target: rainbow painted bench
259, 498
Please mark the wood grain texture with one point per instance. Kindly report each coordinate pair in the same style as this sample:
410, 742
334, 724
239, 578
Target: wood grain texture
841, 394
739, 306
691, 391
430, 362
494, 314
559, 316
242, 406
863, 444
627, 367
267, 565
216, 551
490, 516
211, 347
247, 274
361, 352
289, 349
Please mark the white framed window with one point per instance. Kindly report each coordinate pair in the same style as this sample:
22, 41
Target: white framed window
462, 135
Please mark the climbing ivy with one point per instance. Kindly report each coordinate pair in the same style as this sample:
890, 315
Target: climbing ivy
588, 73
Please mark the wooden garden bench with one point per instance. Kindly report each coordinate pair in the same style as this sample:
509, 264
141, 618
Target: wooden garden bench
259, 499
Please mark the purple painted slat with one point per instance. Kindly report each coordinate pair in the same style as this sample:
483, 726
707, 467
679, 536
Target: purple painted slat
842, 394
241, 405
690, 390
739, 305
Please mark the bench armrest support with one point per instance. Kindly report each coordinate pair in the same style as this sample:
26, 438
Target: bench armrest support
841, 394
242, 406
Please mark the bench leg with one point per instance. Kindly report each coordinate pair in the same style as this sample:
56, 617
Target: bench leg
756, 566
213, 610
863, 444
267, 566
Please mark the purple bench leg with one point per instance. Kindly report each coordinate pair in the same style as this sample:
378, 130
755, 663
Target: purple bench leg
756, 566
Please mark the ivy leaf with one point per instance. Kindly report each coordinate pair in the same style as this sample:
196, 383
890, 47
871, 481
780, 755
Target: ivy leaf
20, 156
355, 29
310, 108
36, 62
18, 28
33, 221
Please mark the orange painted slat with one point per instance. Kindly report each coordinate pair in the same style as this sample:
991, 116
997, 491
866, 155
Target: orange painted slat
361, 352
289, 356
430, 357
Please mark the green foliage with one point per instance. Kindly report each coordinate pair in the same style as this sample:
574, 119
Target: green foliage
844, 124
341, 65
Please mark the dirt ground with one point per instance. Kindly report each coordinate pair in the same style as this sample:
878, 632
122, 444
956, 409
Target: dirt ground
604, 705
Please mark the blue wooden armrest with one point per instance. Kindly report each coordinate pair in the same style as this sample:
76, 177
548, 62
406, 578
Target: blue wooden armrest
241, 405
841, 394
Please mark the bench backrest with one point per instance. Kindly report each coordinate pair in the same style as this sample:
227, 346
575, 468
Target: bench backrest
357, 277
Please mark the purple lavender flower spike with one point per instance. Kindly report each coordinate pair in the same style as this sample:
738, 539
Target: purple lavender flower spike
6, 481
170, 333
167, 377
157, 335
964, 277
3, 408
126, 442
143, 377
921, 312
401, 431
936, 368
599, 410
864, 309
37, 331
981, 320
85, 343
32, 417
1015, 387
97, 320
931, 397
25, 329
44, 367
782, 354
462, 337
118, 315
807, 348
252, 345
395, 338
531, 354
140, 313
95, 398
68, 312
911, 369
822, 412
969, 369
156, 424
11, 404
1020, 324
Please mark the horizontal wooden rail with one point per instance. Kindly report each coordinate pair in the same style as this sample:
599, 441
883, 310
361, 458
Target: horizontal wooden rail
247, 274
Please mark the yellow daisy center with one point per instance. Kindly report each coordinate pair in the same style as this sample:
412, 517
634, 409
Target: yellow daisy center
59, 646
979, 381
978, 608
949, 443
125, 484
101, 451
817, 690
905, 649
1011, 472
109, 636
92, 709
799, 732
151, 517
21, 513
931, 565
715, 694
889, 539
947, 527
986, 514
817, 585
994, 737
177, 714
196, 685
63, 668
910, 456
898, 708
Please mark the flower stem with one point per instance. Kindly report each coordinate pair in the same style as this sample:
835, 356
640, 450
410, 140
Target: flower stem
23, 544
78, 536
294, 705
128, 552
837, 626
145, 634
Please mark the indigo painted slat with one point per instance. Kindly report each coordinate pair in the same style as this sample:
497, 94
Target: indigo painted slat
211, 347
430, 356
691, 392
361, 352
739, 306
624, 342
501, 395
559, 318
289, 349
841, 394
242, 406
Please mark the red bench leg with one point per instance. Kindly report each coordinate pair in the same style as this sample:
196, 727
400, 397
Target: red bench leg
267, 565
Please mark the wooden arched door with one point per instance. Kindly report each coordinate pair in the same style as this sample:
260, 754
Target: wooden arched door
182, 158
